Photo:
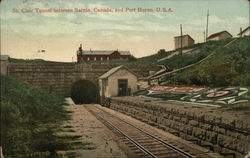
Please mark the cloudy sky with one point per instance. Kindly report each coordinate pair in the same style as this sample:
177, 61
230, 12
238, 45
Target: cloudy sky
24, 31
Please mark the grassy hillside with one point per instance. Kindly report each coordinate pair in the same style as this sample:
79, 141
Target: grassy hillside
37, 61
28, 118
228, 66
177, 61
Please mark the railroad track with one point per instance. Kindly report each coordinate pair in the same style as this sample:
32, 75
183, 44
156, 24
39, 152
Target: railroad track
142, 143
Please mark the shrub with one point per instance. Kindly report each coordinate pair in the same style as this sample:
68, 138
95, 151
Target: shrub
28, 115
222, 73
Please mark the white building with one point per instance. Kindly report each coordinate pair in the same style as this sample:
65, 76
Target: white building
118, 81
5, 61
219, 36
183, 41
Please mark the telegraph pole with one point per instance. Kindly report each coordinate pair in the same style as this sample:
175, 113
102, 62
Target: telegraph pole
249, 14
181, 39
180, 60
207, 25
204, 35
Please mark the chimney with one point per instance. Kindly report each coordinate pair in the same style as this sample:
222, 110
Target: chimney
241, 32
80, 49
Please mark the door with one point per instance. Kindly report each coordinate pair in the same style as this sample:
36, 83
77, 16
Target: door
122, 87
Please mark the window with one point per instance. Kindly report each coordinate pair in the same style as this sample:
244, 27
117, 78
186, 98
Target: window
88, 59
101, 59
95, 59
107, 58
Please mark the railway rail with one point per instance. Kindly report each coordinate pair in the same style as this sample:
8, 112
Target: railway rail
142, 143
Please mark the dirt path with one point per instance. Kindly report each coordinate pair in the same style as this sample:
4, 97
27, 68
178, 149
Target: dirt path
92, 130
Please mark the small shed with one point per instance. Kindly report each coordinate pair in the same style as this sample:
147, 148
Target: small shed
183, 41
118, 81
219, 36
5, 61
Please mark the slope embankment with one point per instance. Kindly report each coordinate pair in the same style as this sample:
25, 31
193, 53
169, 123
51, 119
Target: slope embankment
29, 117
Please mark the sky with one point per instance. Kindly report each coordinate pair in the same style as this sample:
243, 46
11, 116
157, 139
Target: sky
28, 26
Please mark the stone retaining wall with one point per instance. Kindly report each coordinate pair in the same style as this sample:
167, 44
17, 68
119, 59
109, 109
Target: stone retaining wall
209, 127
53, 78
59, 78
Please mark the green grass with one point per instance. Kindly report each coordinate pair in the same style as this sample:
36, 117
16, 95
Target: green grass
28, 117
68, 142
178, 61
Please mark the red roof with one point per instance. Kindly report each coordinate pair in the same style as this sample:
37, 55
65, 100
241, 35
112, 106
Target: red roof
218, 34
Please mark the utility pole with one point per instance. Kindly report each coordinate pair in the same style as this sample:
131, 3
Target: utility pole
181, 39
249, 14
180, 60
204, 35
241, 32
207, 25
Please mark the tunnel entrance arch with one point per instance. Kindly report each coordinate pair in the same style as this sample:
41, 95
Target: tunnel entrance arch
84, 92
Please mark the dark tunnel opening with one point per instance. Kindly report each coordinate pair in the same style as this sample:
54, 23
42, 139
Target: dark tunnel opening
84, 92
